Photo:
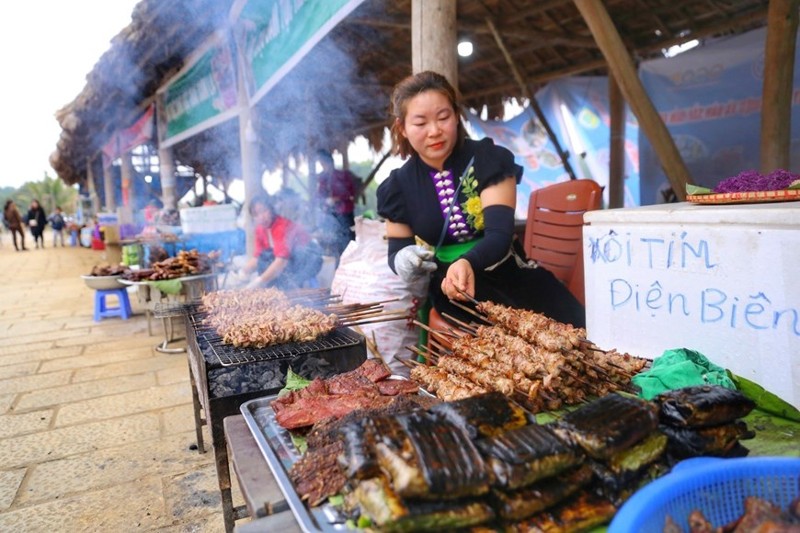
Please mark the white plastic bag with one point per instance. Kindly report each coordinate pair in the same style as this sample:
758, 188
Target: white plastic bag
364, 276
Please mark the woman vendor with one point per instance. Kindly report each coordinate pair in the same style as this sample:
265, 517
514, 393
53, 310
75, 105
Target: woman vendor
459, 195
284, 256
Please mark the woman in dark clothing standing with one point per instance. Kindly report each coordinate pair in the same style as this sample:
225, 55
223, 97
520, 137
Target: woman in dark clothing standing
37, 221
14, 222
459, 196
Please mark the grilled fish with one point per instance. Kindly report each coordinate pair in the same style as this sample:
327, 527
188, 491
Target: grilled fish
523, 456
429, 458
702, 405
484, 415
578, 514
609, 424
712, 440
523, 503
391, 513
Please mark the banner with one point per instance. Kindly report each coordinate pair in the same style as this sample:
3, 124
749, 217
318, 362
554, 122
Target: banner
710, 101
124, 141
203, 94
577, 111
273, 35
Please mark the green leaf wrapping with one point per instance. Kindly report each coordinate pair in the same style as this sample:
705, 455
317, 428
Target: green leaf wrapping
765, 400
696, 189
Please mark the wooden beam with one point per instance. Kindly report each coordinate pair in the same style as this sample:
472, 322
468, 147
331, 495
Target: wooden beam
616, 160
534, 105
621, 66
776, 102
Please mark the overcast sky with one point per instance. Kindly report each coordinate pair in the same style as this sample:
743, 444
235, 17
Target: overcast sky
47, 47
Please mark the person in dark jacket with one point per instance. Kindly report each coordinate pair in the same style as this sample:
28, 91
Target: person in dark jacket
37, 220
57, 223
13, 221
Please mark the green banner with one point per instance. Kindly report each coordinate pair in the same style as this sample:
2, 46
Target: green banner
275, 34
202, 95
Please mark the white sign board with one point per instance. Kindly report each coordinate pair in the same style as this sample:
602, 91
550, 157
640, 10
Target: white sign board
724, 283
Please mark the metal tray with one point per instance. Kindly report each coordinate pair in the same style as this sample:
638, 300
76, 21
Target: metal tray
280, 453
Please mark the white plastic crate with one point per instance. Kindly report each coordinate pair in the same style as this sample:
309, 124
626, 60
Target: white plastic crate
208, 219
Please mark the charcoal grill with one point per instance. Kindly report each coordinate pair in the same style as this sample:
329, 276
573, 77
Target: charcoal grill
223, 377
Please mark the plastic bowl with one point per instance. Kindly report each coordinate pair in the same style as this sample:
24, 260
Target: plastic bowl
716, 487
102, 283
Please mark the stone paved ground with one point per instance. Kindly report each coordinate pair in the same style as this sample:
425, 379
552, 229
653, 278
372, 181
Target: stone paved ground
96, 427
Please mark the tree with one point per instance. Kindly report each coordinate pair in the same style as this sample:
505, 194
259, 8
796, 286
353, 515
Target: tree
50, 192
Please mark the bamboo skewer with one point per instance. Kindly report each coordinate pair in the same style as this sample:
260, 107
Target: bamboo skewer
467, 296
471, 311
461, 323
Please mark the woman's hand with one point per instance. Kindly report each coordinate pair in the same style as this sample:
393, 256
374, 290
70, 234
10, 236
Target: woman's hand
460, 278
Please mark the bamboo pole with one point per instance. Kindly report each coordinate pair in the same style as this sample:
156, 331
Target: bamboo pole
616, 162
776, 103
534, 105
621, 66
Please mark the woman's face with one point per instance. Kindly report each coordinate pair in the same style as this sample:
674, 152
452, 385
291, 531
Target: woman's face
431, 127
262, 215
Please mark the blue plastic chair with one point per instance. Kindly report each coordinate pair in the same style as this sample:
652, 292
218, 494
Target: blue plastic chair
103, 310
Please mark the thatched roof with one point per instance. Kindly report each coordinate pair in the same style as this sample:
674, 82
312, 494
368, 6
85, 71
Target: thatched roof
341, 89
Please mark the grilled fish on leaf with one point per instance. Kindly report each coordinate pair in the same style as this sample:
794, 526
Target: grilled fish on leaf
358, 458
609, 424
522, 456
711, 440
391, 513
577, 514
540, 496
484, 415
702, 405
639, 455
429, 458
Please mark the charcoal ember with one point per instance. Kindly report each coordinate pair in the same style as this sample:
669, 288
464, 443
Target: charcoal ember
254, 377
314, 367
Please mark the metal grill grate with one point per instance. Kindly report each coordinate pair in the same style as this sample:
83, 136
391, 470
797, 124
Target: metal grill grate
228, 355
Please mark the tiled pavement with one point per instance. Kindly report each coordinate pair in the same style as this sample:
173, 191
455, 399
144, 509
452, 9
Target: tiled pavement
96, 427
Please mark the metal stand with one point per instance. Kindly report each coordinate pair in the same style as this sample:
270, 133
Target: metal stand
168, 312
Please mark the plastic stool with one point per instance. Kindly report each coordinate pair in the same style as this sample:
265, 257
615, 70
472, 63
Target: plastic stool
101, 308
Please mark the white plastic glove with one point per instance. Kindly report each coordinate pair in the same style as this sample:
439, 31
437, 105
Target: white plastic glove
413, 262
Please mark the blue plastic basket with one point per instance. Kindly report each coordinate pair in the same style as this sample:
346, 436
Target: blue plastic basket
717, 487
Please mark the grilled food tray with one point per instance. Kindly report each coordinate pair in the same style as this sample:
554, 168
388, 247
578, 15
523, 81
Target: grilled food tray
280, 453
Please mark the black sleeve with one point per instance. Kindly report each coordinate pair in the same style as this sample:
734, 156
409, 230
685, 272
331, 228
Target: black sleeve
395, 245
391, 204
494, 164
497, 235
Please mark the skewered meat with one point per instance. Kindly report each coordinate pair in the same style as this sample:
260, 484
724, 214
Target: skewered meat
702, 405
446, 386
534, 327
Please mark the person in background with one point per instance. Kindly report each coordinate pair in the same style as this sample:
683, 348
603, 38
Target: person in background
285, 256
13, 221
336, 191
37, 220
57, 224
459, 196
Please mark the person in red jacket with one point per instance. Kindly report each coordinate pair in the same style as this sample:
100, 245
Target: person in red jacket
284, 256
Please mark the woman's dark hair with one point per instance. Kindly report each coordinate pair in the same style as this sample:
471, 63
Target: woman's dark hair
262, 200
407, 89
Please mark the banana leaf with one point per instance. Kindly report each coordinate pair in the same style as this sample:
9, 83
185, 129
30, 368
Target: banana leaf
765, 400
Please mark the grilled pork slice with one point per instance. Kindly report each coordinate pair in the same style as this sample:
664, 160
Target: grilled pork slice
712, 440
540, 496
484, 415
523, 456
580, 513
429, 458
390, 513
702, 405
317, 475
609, 424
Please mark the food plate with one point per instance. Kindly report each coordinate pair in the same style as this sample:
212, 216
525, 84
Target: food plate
100, 283
749, 197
